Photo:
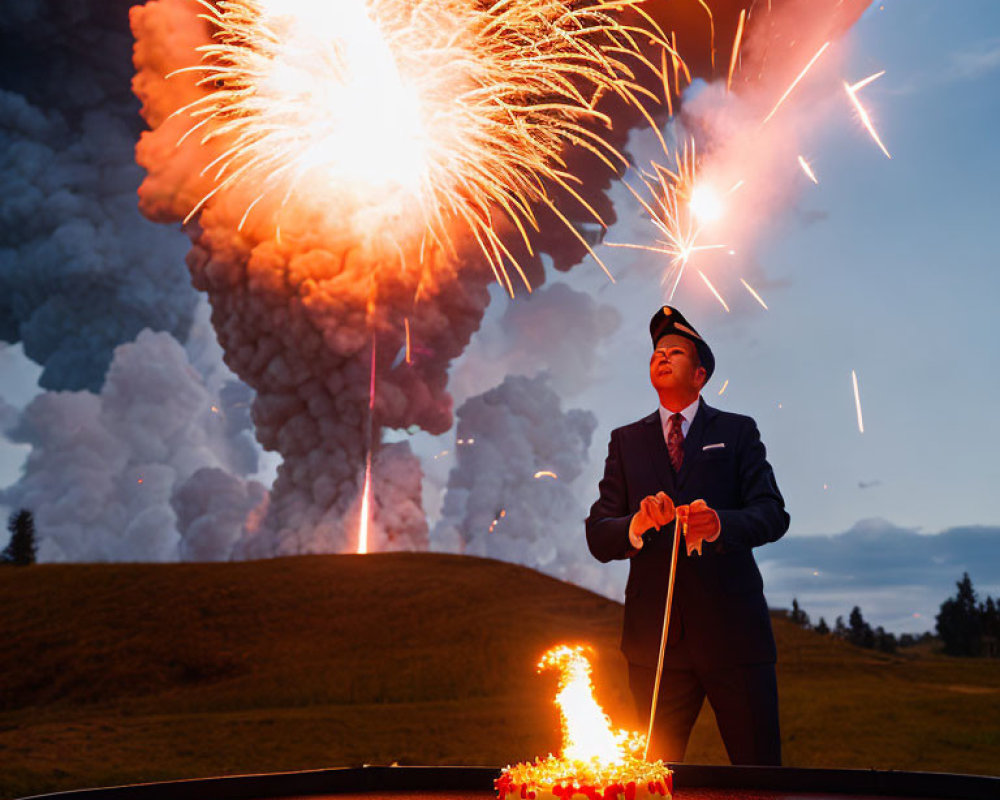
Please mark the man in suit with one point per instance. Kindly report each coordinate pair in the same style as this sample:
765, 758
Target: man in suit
705, 471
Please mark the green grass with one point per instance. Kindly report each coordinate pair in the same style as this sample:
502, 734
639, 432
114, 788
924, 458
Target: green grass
115, 673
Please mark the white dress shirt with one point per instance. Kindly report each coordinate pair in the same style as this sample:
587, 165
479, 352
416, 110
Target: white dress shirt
688, 414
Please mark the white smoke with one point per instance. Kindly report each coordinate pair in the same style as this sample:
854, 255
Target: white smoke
556, 329
111, 475
512, 495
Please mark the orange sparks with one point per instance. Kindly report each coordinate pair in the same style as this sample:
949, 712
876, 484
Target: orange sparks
795, 83
807, 170
756, 296
711, 30
507, 86
496, 520
723, 389
736, 48
546, 473
857, 401
406, 324
718, 296
852, 93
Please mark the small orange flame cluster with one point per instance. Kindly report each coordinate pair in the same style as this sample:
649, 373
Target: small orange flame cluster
597, 761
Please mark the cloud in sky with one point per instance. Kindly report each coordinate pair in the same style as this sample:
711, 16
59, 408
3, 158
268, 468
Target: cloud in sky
974, 61
897, 576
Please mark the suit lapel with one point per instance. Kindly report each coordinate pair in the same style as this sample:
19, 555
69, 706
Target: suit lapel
694, 439
658, 454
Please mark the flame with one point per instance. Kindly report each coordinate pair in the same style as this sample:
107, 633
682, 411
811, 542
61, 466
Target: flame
596, 759
435, 111
587, 733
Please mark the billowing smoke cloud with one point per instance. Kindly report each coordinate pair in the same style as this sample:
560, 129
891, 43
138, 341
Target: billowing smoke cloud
149, 469
556, 329
80, 270
511, 494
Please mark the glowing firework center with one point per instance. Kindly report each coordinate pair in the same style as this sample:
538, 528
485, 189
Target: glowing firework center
415, 113
596, 761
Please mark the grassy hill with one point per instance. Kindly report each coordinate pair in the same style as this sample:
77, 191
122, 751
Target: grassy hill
114, 673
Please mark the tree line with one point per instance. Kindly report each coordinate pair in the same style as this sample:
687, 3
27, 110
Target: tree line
964, 626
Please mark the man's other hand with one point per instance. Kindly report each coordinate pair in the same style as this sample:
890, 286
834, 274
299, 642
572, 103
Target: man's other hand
699, 523
655, 511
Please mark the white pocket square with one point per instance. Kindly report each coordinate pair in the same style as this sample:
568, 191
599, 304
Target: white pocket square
715, 446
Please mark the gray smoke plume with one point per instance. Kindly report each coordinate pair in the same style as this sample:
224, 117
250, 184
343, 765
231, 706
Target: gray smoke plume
80, 270
556, 329
141, 470
511, 494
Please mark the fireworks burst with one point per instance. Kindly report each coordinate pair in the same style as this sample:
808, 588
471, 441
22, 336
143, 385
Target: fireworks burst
679, 209
426, 112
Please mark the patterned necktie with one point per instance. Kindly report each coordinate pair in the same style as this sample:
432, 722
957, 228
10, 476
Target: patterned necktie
675, 441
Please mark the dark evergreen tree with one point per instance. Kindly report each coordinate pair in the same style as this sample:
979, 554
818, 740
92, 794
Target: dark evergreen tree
839, 628
860, 633
885, 641
822, 627
798, 616
21, 548
959, 623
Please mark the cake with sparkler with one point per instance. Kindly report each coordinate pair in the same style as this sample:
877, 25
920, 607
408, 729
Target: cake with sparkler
596, 761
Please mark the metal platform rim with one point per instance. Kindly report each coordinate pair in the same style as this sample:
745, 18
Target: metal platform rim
371, 778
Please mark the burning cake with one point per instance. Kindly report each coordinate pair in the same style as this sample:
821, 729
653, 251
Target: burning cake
597, 762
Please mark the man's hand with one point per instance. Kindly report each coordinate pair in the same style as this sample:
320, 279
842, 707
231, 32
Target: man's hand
655, 511
699, 524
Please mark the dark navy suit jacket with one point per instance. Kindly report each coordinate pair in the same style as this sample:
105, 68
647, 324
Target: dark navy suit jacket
719, 608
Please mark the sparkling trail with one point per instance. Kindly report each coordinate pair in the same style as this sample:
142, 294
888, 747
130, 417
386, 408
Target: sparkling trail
857, 401
795, 83
756, 296
736, 48
808, 170
718, 296
865, 119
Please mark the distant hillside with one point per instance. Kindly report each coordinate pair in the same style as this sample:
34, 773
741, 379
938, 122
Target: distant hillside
128, 672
